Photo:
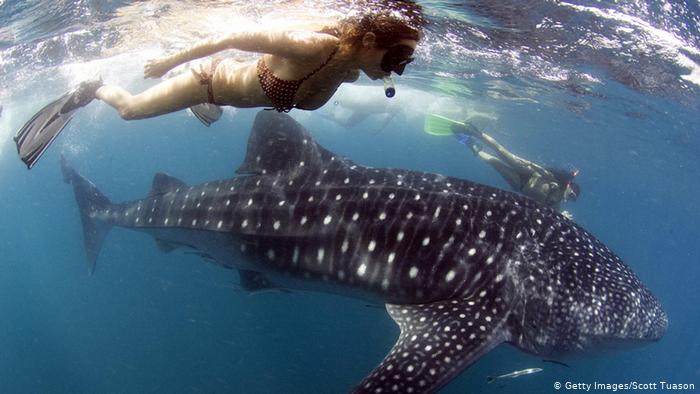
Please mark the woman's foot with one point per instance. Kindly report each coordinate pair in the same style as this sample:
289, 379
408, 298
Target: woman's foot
468, 140
82, 95
469, 128
465, 128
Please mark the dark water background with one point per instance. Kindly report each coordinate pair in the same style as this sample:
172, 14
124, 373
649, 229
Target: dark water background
151, 322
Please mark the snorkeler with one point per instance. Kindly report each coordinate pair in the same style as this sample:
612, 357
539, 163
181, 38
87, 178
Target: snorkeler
549, 186
297, 70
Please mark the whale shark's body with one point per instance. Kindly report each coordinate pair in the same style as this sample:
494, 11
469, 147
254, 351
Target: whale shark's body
461, 267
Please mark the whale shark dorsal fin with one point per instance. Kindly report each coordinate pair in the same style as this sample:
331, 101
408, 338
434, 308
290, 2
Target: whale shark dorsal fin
278, 143
164, 183
437, 341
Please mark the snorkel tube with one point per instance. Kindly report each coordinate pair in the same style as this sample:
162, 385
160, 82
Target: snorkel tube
389, 88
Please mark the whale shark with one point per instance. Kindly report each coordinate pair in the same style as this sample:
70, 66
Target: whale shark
460, 267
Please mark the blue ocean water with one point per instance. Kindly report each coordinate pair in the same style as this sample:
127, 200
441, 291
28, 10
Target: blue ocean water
595, 85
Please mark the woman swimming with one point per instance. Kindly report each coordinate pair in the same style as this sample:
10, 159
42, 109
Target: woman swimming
550, 186
297, 70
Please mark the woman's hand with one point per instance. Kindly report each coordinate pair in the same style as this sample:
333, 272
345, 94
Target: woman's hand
156, 68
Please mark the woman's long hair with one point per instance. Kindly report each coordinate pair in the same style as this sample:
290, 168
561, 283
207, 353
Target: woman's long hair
391, 21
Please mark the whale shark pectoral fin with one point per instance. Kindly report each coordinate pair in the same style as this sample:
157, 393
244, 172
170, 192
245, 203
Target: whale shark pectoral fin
437, 341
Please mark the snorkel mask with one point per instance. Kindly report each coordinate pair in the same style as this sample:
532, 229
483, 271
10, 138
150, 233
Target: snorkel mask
574, 188
396, 58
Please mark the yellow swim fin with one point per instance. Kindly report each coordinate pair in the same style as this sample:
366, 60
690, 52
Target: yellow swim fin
439, 125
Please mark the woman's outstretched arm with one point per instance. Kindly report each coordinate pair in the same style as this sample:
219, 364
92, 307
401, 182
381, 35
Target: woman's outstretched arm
300, 46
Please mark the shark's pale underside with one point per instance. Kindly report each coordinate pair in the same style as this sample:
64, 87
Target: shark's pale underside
461, 267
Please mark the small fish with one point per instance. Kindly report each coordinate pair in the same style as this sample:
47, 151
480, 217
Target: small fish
557, 362
515, 374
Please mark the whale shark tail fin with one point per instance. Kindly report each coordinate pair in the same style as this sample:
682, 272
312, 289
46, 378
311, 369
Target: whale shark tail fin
93, 206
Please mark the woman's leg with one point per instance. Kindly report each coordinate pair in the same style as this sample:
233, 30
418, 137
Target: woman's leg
174, 94
511, 176
513, 160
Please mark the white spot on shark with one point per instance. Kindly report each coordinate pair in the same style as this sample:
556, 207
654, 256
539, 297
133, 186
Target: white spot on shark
361, 269
295, 255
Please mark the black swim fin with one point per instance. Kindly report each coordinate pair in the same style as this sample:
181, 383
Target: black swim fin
207, 113
40, 131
